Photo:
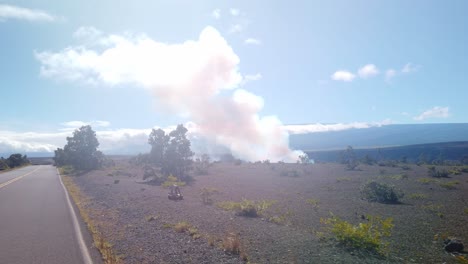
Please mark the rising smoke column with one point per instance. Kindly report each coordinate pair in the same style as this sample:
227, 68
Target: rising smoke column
198, 79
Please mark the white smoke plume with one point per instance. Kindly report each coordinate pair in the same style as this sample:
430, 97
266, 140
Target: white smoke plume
197, 79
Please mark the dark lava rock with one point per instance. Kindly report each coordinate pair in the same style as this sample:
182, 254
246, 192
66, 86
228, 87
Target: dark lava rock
453, 245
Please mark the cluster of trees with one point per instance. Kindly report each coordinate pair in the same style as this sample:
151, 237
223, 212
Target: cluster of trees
81, 151
15, 160
171, 152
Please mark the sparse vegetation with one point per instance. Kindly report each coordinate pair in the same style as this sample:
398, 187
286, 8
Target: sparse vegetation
246, 207
313, 202
451, 185
182, 227
396, 177
172, 180
207, 195
417, 196
381, 192
289, 173
343, 179
427, 180
434, 208
363, 236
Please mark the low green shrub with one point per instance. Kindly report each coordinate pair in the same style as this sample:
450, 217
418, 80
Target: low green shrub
246, 207
381, 192
433, 172
363, 236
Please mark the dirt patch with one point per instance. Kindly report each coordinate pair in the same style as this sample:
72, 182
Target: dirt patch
287, 232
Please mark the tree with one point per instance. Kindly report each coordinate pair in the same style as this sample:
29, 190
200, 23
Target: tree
171, 152
159, 142
3, 164
81, 150
16, 160
349, 158
179, 155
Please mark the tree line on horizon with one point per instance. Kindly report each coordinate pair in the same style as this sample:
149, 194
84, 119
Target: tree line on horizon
170, 152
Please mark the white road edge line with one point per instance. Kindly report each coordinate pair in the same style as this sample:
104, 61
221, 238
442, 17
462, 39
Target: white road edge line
79, 236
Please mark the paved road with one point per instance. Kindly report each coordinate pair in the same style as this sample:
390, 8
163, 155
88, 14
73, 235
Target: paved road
35, 221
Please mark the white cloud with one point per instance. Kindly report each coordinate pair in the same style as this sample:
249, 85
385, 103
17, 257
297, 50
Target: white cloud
343, 75
216, 13
186, 79
389, 74
236, 28
252, 41
21, 13
234, 11
367, 71
121, 141
316, 128
409, 68
251, 77
435, 112
78, 124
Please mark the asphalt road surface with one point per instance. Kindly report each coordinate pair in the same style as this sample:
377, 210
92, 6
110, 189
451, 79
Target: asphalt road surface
36, 225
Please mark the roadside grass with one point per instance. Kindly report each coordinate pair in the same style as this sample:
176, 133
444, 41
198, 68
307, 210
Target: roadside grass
81, 201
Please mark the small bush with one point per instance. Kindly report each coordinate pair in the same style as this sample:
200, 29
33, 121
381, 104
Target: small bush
364, 236
433, 172
246, 207
231, 243
466, 210
116, 181
182, 227
380, 192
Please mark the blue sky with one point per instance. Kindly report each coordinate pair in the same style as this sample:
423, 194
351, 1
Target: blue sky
303, 62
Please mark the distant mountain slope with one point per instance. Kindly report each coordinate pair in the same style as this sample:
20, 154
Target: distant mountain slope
455, 151
384, 136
